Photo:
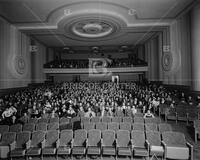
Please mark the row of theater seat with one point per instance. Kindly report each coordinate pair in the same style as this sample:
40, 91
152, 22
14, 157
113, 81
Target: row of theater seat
96, 143
95, 119
196, 129
87, 126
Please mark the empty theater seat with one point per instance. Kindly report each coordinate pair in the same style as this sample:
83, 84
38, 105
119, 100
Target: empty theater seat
106, 119
16, 128
125, 126
117, 119
94, 142
4, 128
29, 127
88, 125
163, 127
154, 143
128, 119
41, 127
108, 143
123, 143
64, 144
139, 144
18, 147
33, 120
101, 126
53, 126
33, 148
138, 126
113, 126
176, 146
95, 119
151, 127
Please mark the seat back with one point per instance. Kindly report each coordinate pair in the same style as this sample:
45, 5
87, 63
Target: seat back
101, 126
41, 127
4, 128
174, 138
151, 127
94, 137
128, 119
53, 126
153, 138
117, 119
80, 137
37, 138
75, 119
163, 127
64, 120
138, 120
85, 119
95, 119
16, 128
106, 119
43, 120
197, 124
33, 120
108, 138
22, 138
88, 126
123, 138
125, 126
8, 137
66, 137
152, 120
51, 138
113, 126
54, 120
138, 126
138, 138
29, 127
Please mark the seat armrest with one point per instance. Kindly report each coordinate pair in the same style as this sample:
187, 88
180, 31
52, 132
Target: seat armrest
117, 145
72, 143
165, 148
57, 143
101, 142
147, 144
191, 150
28, 144
12, 145
132, 144
43, 143
86, 142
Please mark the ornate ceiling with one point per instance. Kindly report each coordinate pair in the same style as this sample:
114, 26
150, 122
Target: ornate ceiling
59, 23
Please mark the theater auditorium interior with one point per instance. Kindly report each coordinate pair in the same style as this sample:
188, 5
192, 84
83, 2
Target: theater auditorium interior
99, 79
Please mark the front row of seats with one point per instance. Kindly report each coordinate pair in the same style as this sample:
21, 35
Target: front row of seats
96, 143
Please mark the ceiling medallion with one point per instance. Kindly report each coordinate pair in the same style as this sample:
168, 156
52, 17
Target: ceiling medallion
94, 28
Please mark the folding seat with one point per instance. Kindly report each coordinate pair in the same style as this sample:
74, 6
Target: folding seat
123, 143
138, 120
193, 115
152, 120
125, 126
88, 125
33, 120
155, 144
139, 144
176, 146
64, 120
41, 127
128, 119
43, 120
182, 114
113, 126
16, 128
64, 144
53, 126
117, 119
4, 128
138, 126
95, 119
33, 148
7, 138
94, 143
151, 127
196, 129
108, 143
171, 115
101, 126
18, 147
49, 144
106, 119
75, 119
54, 120
163, 127
79, 143
29, 127
85, 119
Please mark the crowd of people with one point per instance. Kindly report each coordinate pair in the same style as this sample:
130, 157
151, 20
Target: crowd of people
88, 99
85, 63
